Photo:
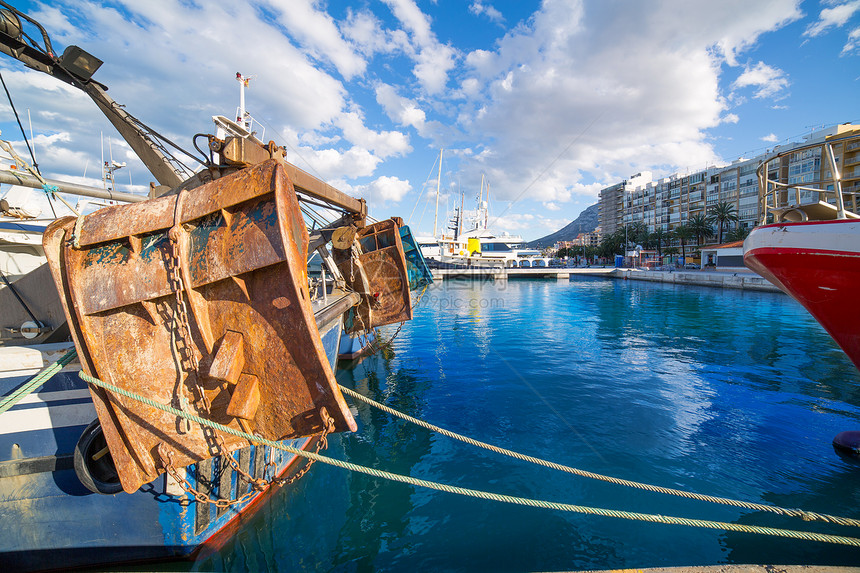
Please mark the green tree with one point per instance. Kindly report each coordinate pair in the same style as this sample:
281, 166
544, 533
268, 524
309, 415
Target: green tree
637, 233
722, 213
657, 238
701, 228
683, 233
612, 244
738, 234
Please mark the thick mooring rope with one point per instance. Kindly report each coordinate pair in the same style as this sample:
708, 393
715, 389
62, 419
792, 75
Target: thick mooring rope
34, 383
805, 515
652, 518
805, 535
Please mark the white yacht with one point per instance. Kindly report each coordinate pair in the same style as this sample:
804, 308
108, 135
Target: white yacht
479, 245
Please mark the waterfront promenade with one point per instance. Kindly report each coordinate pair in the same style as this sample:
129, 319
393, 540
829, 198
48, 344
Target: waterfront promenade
743, 279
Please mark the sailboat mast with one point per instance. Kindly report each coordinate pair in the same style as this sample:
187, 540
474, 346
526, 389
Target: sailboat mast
438, 183
480, 205
487, 209
460, 217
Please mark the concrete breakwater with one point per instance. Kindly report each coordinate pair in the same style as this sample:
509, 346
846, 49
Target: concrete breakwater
743, 279
740, 279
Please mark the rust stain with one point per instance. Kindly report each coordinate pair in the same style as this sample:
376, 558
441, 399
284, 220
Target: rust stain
126, 318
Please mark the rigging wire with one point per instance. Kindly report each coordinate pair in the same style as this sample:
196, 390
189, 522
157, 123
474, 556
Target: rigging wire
26, 140
420, 195
18, 119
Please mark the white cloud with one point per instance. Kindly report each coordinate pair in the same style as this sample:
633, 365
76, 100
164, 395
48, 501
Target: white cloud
837, 16
318, 33
574, 97
365, 31
769, 81
382, 143
385, 189
330, 164
550, 206
172, 64
770, 138
400, 109
433, 60
478, 8
582, 95
853, 42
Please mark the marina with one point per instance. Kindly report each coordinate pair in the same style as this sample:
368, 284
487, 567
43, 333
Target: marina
639, 390
239, 366
736, 279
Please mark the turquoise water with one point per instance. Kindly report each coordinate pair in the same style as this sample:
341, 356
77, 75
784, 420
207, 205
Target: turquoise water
728, 393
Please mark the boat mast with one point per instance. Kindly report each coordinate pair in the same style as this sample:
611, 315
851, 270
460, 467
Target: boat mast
487, 208
438, 183
241, 114
460, 221
480, 204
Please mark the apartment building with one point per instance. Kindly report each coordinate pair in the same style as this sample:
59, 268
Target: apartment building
672, 201
611, 205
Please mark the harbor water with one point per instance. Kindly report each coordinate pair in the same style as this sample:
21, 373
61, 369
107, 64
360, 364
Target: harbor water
728, 393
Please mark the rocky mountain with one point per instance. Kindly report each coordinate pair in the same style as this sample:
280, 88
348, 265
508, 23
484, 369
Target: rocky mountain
585, 223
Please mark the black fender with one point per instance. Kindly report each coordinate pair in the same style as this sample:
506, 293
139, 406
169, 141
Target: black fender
97, 475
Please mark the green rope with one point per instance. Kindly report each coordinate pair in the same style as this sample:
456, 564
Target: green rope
804, 535
805, 515
34, 383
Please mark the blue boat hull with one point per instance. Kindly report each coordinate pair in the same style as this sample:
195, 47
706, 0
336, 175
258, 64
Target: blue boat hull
52, 521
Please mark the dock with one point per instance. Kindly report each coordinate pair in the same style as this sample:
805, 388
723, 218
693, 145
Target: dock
502, 273
742, 279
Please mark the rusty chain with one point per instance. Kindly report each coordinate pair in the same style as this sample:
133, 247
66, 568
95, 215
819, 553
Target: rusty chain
322, 444
257, 484
190, 364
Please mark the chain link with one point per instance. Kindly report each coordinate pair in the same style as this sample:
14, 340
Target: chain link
257, 484
188, 358
322, 444
167, 463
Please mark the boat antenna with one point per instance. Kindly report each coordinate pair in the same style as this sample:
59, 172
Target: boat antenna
438, 183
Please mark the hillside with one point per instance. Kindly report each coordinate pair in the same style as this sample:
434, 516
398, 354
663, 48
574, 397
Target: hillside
585, 223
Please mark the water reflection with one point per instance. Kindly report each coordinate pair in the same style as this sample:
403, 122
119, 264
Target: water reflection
723, 392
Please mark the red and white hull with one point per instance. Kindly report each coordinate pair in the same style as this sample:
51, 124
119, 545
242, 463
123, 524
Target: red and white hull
818, 264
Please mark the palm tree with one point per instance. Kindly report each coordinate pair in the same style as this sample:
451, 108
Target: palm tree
683, 233
611, 244
738, 234
637, 233
701, 228
657, 238
722, 213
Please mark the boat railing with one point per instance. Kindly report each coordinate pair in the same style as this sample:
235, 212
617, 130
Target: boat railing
823, 199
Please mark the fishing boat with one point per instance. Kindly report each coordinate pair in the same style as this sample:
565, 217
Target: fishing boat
811, 247
186, 309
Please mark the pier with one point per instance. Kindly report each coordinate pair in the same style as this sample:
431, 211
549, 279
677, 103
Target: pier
735, 278
503, 273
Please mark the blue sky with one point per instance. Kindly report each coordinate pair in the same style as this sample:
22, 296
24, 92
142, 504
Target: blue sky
550, 101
